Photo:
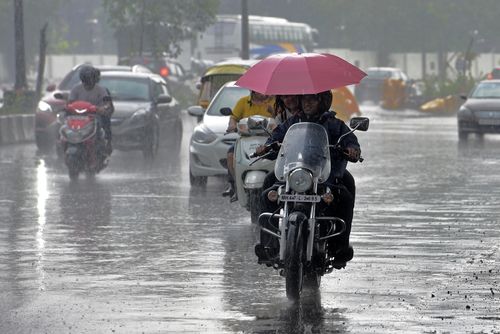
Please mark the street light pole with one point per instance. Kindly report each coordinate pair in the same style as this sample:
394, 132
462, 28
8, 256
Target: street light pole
245, 53
20, 83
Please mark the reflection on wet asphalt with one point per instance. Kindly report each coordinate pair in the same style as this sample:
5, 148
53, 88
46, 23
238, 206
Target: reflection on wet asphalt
136, 250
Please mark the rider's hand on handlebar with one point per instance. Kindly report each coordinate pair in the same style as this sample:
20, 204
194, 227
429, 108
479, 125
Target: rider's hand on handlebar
260, 150
231, 129
353, 154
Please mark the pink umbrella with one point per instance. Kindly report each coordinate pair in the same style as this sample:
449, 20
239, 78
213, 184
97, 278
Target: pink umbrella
303, 73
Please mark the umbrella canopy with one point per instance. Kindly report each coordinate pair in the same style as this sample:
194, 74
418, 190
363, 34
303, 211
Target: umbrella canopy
302, 73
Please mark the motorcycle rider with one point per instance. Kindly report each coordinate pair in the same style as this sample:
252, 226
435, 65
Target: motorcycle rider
253, 104
90, 91
315, 108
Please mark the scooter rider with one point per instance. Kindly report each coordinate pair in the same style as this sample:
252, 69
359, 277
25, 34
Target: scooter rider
315, 108
254, 104
89, 90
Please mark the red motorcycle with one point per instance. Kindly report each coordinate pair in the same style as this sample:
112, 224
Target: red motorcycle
82, 140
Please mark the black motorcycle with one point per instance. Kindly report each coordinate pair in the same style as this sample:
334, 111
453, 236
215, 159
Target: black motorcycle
299, 226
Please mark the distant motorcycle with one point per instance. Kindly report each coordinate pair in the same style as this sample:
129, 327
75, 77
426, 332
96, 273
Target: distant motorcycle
300, 227
82, 140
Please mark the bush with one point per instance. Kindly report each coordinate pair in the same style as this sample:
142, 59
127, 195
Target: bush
434, 88
20, 102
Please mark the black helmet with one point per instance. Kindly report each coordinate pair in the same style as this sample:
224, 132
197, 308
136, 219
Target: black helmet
89, 75
325, 100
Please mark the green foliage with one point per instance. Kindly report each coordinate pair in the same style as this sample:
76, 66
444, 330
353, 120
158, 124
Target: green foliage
435, 88
21, 102
164, 23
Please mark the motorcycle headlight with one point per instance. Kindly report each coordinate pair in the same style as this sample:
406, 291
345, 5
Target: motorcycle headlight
44, 107
300, 180
203, 135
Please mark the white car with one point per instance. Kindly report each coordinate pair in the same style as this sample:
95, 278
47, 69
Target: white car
209, 142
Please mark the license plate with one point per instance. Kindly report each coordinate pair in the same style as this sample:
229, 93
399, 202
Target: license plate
489, 121
299, 198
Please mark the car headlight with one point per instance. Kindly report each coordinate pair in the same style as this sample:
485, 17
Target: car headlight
300, 180
139, 115
203, 135
464, 113
44, 107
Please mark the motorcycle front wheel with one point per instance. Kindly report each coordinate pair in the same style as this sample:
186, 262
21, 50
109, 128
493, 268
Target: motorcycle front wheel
73, 164
294, 266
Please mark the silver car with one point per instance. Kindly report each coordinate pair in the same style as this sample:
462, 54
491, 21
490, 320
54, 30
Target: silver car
209, 142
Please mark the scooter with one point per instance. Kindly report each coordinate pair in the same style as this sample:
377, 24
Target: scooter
81, 140
250, 173
301, 228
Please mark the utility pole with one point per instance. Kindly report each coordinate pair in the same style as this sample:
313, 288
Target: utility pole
41, 62
141, 37
245, 53
20, 83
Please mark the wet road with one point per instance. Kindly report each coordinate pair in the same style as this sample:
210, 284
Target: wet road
138, 251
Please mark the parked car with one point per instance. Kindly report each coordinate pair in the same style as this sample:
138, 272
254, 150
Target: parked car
480, 114
389, 86
143, 108
209, 143
46, 125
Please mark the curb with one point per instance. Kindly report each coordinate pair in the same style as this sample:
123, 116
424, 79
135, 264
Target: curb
17, 129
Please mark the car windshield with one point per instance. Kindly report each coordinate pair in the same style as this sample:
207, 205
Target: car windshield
70, 80
127, 89
73, 78
226, 98
487, 90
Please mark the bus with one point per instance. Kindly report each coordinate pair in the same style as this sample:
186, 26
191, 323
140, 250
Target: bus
267, 35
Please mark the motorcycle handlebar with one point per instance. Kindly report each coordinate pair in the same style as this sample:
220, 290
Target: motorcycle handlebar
346, 154
267, 148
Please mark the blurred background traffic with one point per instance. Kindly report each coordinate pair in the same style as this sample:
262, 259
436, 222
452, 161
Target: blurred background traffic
429, 51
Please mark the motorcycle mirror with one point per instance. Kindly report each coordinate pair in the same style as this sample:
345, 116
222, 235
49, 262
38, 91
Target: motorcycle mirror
359, 123
226, 111
59, 96
253, 123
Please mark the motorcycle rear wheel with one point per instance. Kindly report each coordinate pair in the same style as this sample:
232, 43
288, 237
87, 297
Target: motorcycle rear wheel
294, 266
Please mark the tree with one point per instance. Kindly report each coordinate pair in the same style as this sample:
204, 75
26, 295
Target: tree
33, 11
158, 26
